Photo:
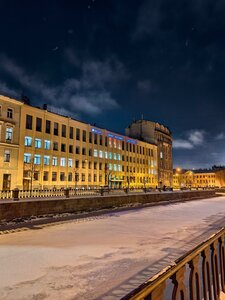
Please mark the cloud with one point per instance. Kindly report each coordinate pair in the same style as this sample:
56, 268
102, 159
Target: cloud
88, 93
145, 85
4, 89
182, 144
194, 138
220, 136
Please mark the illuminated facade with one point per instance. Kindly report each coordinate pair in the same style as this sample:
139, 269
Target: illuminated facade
196, 179
41, 149
152, 132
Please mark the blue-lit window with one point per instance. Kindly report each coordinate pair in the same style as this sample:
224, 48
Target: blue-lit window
110, 155
28, 141
70, 162
110, 167
8, 134
115, 167
37, 159
114, 156
119, 168
100, 154
27, 158
54, 161
106, 154
95, 153
118, 156
62, 162
38, 143
47, 145
46, 160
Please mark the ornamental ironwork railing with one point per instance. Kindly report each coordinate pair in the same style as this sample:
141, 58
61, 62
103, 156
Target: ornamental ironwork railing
198, 275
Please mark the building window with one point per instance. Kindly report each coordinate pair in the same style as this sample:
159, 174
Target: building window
8, 134
55, 146
36, 175
77, 150
110, 142
48, 126
83, 164
95, 165
77, 163
27, 158
84, 136
70, 148
100, 154
46, 160
106, 155
114, 156
45, 176
37, 143
110, 167
29, 121
62, 176
62, 162
83, 177
28, 141
9, 113
100, 140
6, 181
89, 164
47, 145
54, 161
71, 132
7, 156
90, 152
70, 176
95, 139
118, 156
70, 162
100, 166
90, 137
106, 141
115, 167
63, 147
54, 176
95, 177
110, 155
95, 153
38, 124
89, 177
0, 110
63, 130
77, 134
83, 151
56, 128
37, 159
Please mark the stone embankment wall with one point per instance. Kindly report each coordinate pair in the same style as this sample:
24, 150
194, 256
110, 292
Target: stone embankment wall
25, 208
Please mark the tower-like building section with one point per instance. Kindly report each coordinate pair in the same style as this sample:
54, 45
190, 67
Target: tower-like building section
156, 133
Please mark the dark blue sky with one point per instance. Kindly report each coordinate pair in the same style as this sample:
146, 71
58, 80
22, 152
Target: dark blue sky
109, 61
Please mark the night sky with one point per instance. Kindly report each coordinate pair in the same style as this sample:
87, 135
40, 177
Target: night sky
110, 61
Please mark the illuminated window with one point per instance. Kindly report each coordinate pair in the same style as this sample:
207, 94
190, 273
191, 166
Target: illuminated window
70, 162
28, 141
115, 167
110, 142
161, 154
27, 158
115, 143
95, 153
62, 162
37, 143
100, 154
110, 155
110, 167
106, 154
46, 160
119, 168
114, 156
119, 145
47, 145
37, 159
8, 134
54, 161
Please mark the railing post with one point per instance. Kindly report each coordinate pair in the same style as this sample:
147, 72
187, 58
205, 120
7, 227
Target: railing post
194, 278
215, 274
222, 262
16, 194
179, 290
158, 293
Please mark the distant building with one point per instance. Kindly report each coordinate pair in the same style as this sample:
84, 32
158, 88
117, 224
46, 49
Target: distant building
195, 178
41, 149
153, 132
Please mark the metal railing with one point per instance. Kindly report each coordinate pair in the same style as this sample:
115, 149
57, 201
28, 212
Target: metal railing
199, 274
68, 192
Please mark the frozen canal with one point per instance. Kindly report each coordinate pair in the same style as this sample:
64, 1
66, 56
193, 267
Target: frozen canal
102, 257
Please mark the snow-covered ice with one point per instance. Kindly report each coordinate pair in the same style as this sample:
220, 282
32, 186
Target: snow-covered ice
102, 257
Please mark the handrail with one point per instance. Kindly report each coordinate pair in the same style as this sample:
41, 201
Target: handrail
158, 280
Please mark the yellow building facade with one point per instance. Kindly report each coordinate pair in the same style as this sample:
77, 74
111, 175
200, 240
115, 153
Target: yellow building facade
194, 179
42, 149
